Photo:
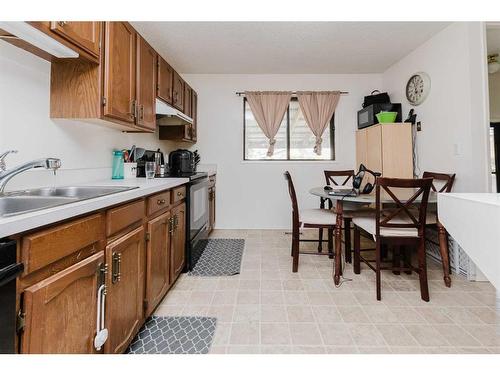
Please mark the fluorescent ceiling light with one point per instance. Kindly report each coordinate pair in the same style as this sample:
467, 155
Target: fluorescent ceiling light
39, 39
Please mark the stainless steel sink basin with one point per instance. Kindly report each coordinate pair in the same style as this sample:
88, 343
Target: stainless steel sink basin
14, 205
20, 202
80, 192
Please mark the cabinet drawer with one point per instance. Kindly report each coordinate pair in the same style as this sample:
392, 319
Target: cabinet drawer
45, 247
158, 202
121, 217
178, 194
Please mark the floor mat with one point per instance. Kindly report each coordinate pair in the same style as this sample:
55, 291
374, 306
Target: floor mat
220, 257
174, 335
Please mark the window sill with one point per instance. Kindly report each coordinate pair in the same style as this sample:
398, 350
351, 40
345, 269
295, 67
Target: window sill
272, 162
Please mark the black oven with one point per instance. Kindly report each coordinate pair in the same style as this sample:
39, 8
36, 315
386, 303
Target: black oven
197, 218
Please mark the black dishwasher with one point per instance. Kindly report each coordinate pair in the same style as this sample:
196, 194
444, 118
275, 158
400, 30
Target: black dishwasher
9, 271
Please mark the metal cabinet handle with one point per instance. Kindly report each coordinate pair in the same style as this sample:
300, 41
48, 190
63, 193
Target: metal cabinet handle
170, 225
117, 266
62, 23
179, 194
133, 109
160, 201
142, 112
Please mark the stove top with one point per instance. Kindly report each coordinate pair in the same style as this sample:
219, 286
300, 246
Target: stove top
192, 176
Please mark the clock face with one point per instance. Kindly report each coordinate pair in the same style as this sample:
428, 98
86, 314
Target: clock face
418, 88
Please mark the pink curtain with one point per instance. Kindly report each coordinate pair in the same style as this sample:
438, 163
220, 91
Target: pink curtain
268, 108
318, 108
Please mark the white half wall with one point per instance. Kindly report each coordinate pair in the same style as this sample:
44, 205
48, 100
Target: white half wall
85, 149
254, 194
454, 136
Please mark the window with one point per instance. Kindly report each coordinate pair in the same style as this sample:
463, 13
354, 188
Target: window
294, 141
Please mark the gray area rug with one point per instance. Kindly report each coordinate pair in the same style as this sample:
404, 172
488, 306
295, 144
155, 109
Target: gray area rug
220, 257
174, 335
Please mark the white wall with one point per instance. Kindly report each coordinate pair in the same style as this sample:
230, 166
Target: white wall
85, 149
254, 194
454, 115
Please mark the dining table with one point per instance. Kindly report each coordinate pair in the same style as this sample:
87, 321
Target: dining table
355, 201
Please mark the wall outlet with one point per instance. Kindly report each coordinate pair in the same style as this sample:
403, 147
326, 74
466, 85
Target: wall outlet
419, 126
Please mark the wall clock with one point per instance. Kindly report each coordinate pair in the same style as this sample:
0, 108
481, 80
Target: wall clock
418, 88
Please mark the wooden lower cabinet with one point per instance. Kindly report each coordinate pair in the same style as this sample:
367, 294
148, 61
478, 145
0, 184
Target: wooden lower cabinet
125, 281
61, 311
178, 251
157, 261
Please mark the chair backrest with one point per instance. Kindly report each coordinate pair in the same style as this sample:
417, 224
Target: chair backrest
447, 181
400, 213
330, 177
293, 196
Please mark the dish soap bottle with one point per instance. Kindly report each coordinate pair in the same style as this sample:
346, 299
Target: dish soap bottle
117, 169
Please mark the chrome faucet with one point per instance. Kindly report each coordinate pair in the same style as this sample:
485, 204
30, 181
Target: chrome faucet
6, 175
3, 166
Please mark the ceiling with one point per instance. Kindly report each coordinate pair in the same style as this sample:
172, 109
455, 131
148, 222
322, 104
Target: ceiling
285, 47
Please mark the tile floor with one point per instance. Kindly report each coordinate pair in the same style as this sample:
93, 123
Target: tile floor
269, 309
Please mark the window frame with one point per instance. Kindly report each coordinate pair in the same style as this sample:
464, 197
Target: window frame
287, 114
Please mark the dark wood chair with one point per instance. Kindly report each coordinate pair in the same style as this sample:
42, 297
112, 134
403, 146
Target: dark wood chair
338, 178
397, 225
308, 218
441, 183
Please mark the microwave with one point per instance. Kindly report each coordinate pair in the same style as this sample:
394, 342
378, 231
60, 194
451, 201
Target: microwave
366, 116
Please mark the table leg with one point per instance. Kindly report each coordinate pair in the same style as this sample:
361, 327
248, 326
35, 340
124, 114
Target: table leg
338, 242
445, 253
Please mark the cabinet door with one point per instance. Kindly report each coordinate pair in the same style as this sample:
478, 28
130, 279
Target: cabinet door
187, 100
397, 158
119, 72
178, 91
84, 35
374, 151
194, 115
165, 77
146, 84
125, 258
178, 247
361, 147
157, 261
61, 311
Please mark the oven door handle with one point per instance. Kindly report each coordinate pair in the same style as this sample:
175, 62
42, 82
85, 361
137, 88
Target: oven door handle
10, 272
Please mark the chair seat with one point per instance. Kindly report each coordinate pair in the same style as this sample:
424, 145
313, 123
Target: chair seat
431, 216
317, 216
368, 224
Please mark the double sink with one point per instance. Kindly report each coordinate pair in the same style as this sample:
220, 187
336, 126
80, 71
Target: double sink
20, 202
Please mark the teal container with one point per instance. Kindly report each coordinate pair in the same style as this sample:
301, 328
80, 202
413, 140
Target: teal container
117, 173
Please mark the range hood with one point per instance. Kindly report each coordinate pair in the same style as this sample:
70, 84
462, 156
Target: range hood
24, 31
167, 115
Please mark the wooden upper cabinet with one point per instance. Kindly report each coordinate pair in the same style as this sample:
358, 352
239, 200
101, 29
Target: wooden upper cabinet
194, 115
85, 35
146, 85
120, 72
157, 261
164, 80
178, 91
63, 306
124, 302
178, 252
187, 100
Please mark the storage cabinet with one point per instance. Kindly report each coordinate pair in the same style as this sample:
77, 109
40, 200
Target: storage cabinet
61, 311
119, 72
125, 280
85, 35
194, 113
66, 265
178, 91
158, 260
165, 80
146, 85
178, 235
386, 148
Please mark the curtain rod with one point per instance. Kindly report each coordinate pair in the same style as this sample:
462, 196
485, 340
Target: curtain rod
294, 93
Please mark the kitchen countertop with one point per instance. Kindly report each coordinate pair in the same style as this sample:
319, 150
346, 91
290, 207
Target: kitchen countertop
31, 220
